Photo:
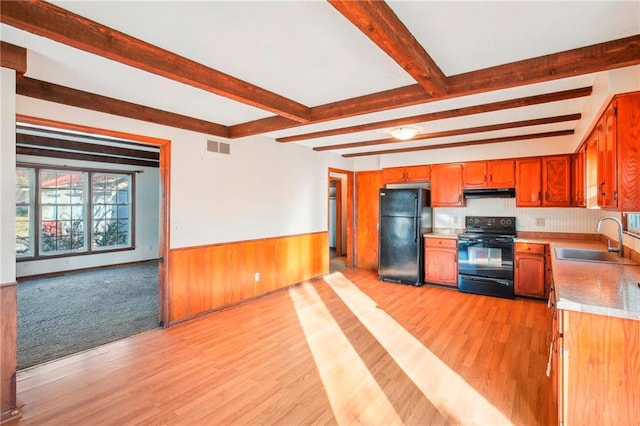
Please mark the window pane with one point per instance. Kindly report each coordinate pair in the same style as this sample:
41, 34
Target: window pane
25, 202
62, 194
633, 223
111, 210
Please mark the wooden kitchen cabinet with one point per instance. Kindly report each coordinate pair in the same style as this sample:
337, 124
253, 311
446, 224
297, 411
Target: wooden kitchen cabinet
528, 182
489, 174
543, 181
578, 173
406, 174
594, 368
606, 140
556, 181
613, 156
529, 271
446, 185
441, 261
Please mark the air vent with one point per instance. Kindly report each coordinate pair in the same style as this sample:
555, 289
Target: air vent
219, 147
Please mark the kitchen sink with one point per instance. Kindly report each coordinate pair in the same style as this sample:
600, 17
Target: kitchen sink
591, 256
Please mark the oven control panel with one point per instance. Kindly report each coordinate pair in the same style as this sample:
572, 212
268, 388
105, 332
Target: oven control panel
490, 224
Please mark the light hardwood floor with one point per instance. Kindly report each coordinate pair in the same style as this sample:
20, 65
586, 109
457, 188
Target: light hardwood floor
317, 353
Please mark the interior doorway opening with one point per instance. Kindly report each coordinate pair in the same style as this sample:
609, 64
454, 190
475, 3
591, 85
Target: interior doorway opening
137, 275
340, 189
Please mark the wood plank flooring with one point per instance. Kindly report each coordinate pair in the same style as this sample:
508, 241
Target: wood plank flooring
308, 355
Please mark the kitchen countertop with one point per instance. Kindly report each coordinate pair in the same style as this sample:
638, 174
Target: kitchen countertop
593, 287
444, 233
583, 286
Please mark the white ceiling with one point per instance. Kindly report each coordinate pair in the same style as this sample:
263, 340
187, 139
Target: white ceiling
308, 52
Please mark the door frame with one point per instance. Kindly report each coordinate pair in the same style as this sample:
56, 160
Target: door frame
165, 200
349, 207
338, 224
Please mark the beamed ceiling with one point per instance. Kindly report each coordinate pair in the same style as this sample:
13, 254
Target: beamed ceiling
333, 76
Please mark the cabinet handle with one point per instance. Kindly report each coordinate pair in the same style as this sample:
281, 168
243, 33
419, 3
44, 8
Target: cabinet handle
602, 190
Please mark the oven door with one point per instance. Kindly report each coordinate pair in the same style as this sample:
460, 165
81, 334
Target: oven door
486, 256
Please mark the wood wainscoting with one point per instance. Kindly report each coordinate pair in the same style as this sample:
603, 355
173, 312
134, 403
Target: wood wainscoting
8, 353
205, 278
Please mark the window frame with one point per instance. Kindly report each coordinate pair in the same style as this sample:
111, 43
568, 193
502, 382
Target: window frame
89, 249
625, 224
31, 205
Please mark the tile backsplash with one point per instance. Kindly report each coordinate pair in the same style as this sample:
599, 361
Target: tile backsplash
571, 220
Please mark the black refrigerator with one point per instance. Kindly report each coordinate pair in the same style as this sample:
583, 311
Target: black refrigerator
404, 216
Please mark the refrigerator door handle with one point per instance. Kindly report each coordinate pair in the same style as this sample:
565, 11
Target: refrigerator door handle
416, 219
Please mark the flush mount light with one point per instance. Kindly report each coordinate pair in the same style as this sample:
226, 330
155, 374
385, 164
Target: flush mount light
404, 133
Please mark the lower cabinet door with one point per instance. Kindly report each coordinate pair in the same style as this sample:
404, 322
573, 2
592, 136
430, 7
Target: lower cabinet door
441, 266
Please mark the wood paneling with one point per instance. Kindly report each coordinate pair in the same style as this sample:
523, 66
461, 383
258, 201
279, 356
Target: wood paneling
8, 347
206, 278
368, 186
602, 367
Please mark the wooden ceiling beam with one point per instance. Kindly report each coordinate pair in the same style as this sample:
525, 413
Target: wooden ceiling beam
452, 113
25, 150
65, 95
599, 57
13, 57
46, 20
456, 132
378, 22
463, 144
44, 142
585, 60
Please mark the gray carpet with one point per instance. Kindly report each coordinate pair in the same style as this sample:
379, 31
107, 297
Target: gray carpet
62, 315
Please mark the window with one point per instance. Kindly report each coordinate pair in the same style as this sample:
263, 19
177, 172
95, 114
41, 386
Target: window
72, 211
111, 211
25, 201
63, 204
632, 223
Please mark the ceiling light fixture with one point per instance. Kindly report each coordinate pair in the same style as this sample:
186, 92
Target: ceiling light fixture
404, 133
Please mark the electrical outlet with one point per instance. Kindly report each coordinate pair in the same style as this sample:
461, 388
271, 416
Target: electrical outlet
540, 221
256, 276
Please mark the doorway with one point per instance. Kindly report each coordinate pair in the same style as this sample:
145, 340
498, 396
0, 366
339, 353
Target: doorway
153, 271
340, 189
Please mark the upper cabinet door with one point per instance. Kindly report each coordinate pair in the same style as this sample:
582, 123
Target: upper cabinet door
417, 173
393, 175
502, 174
474, 174
528, 180
628, 143
446, 185
556, 181
607, 179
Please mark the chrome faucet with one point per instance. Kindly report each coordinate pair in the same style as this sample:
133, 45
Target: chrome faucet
620, 246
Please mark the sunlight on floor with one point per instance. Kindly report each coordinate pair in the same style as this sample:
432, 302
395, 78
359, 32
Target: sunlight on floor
343, 372
354, 394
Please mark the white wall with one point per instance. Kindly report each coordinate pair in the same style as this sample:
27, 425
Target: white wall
263, 189
7, 175
147, 204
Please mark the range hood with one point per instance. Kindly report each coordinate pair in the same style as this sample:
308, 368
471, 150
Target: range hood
489, 193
